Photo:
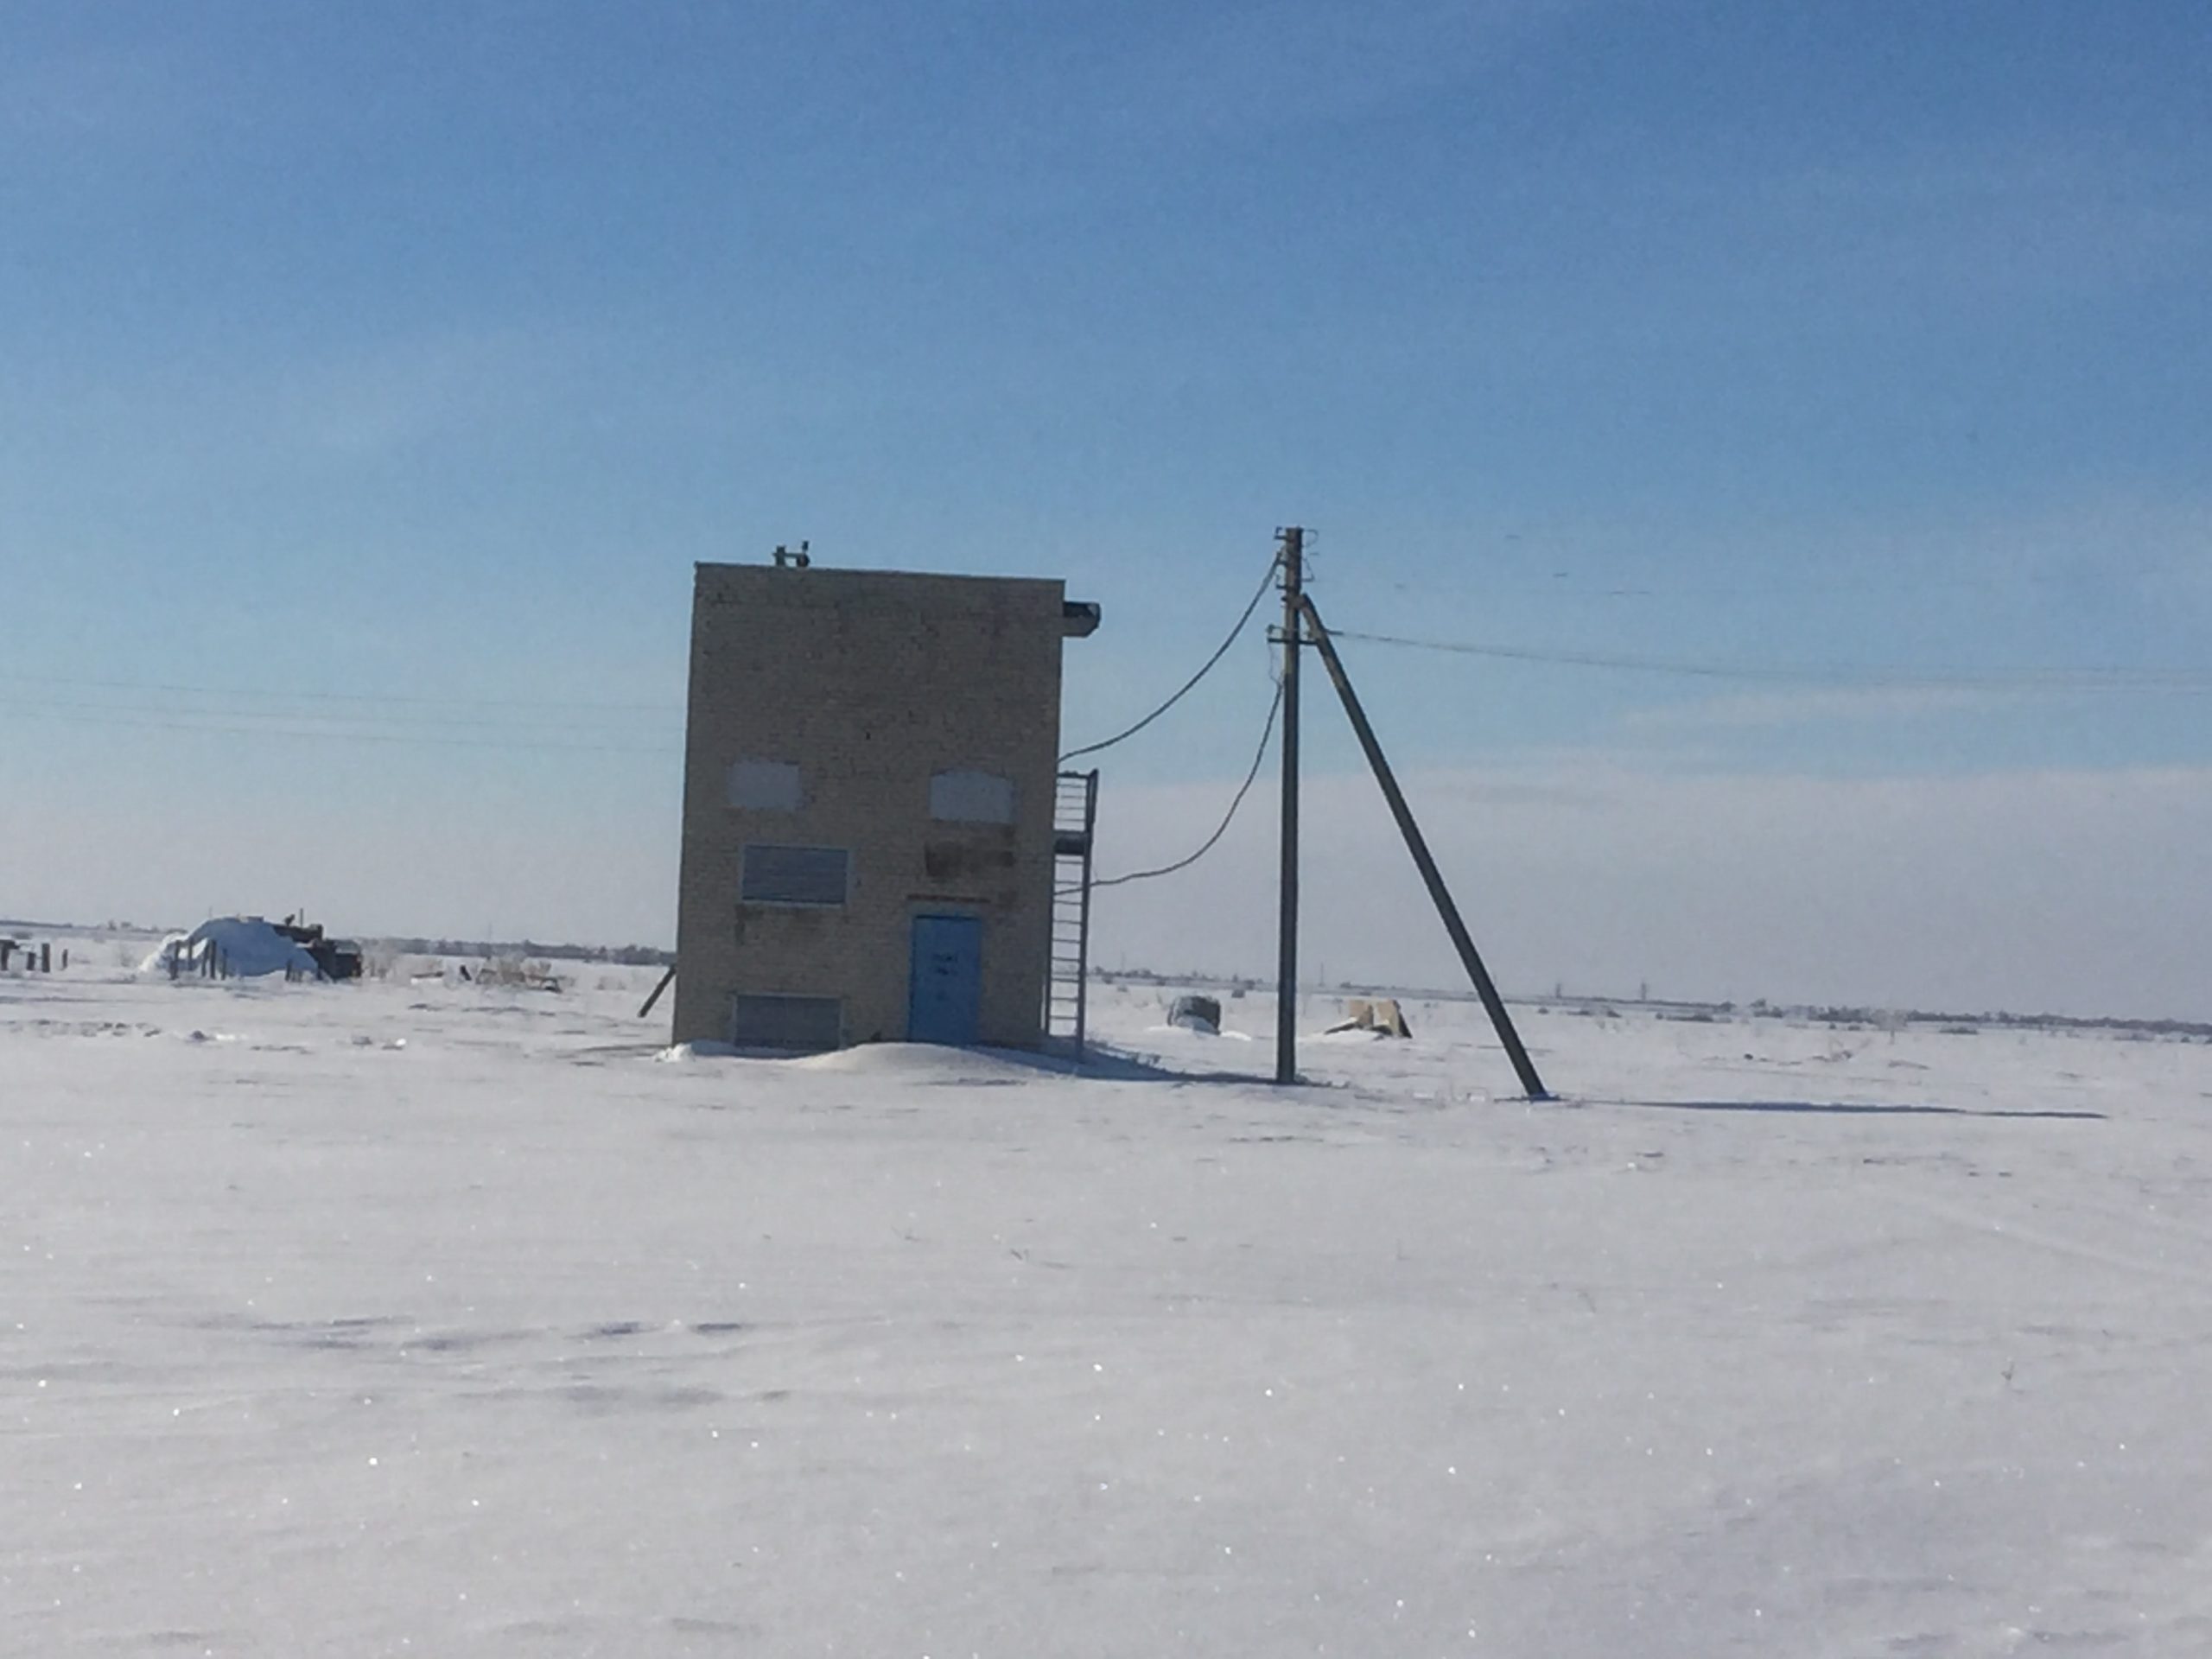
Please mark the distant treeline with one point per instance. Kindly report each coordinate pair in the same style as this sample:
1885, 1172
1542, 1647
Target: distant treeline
2000, 1020
1668, 1008
634, 955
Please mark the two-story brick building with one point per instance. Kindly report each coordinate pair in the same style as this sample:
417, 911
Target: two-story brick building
869, 771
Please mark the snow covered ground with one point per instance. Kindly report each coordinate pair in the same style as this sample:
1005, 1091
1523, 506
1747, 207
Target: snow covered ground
427, 1318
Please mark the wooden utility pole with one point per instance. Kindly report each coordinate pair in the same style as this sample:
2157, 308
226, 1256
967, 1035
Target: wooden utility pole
1294, 602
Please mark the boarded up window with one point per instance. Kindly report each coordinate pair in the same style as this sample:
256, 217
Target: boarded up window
765, 785
794, 876
971, 798
767, 1021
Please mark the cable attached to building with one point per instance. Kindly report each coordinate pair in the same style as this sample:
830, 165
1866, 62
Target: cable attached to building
1265, 582
1266, 736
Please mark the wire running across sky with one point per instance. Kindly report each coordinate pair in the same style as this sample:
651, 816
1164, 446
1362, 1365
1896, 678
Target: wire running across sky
523, 722
1204, 669
1842, 674
250, 694
523, 740
439, 721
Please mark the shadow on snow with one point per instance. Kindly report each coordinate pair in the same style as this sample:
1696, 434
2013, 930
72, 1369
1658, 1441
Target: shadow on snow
1851, 1109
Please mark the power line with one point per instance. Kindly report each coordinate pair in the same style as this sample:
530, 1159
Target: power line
553, 720
1267, 733
137, 720
2045, 679
252, 693
1568, 584
1221, 650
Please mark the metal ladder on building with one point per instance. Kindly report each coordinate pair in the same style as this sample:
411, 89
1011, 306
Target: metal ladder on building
1075, 817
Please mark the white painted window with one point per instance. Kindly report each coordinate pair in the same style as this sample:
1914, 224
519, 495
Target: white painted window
794, 876
963, 797
765, 785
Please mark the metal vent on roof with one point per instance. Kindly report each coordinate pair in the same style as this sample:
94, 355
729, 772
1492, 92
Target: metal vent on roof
775, 1021
794, 876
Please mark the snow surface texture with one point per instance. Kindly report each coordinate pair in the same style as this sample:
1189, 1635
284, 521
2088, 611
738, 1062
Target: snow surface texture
511, 1341
247, 947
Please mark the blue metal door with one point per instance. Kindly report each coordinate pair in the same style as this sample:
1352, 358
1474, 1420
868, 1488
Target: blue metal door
948, 979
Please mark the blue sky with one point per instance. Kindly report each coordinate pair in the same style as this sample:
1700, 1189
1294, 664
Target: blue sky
415, 352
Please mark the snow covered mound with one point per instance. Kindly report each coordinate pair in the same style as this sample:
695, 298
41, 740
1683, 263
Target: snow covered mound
894, 1062
245, 947
684, 1054
922, 1062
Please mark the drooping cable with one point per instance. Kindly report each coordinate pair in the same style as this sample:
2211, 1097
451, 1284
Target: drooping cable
1266, 736
1206, 668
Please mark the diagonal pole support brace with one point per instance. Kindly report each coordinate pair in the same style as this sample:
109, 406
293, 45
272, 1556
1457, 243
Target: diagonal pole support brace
1461, 941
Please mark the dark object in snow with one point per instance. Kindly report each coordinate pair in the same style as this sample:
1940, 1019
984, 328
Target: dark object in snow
1196, 1014
337, 958
664, 980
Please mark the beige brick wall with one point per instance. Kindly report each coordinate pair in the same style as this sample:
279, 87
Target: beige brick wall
870, 682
